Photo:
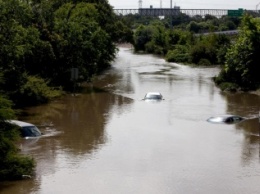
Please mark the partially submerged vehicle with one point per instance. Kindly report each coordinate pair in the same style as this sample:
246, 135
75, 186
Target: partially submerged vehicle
27, 129
153, 96
228, 119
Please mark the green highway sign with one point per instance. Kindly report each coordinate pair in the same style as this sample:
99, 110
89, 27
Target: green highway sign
235, 13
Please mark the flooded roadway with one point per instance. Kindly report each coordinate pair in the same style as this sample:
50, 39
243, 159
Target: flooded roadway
109, 141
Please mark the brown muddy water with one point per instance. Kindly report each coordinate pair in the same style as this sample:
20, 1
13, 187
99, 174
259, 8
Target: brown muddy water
108, 141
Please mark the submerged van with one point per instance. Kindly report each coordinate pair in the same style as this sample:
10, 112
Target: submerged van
27, 129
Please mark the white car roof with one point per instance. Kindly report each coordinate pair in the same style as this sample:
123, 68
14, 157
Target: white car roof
153, 93
20, 123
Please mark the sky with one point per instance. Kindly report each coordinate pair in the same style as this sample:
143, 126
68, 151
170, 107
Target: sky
188, 4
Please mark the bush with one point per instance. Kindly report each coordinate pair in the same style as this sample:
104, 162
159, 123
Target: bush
242, 59
179, 54
149, 47
227, 86
12, 165
159, 50
224, 85
203, 50
36, 91
204, 62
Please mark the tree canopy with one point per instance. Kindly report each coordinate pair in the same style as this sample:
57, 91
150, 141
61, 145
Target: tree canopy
237, 54
12, 165
41, 41
242, 64
46, 39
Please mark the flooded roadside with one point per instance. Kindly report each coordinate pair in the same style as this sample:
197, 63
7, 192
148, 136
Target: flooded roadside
107, 140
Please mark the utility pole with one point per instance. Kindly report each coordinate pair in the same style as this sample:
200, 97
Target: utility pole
74, 78
140, 4
171, 15
257, 6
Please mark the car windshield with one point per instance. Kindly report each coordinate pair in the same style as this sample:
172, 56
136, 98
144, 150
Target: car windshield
30, 131
236, 118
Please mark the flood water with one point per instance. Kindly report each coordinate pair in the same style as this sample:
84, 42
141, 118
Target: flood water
108, 141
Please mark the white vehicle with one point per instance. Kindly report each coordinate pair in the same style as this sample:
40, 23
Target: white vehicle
153, 96
27, 129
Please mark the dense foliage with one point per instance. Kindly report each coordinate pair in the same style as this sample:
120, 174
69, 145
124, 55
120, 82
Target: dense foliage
195, 24
187, 42
242, 64
41, 41
12, 165
45, 39
180, 45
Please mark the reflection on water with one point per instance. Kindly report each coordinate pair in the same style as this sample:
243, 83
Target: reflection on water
107, 140
78, 120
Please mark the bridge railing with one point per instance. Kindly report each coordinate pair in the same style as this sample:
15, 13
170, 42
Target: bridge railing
172, 12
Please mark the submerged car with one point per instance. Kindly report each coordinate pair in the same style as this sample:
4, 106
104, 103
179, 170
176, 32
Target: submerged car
26, 129
153, 96
228, 119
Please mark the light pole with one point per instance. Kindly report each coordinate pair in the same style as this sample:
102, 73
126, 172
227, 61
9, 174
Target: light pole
171, 15
257, 6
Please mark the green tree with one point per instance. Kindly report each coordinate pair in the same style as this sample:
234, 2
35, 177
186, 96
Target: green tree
48, 38
12, 165
142, 36
123, 33
194, 27
180, 53
242, 60
82, 42
22, 49
211, 47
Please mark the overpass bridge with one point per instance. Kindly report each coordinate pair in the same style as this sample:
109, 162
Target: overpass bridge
173, 12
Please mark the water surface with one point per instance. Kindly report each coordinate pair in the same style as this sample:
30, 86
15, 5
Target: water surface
107, 140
